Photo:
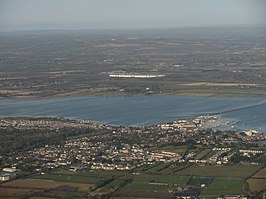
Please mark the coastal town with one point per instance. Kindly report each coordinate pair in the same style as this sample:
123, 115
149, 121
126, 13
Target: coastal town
172, 146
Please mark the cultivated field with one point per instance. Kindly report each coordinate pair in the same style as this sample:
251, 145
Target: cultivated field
218, 180
13, 192
225, 186
148, 186
221, 171
256, 184
260, 174
178, 180
45, 184
197, 181
69, 178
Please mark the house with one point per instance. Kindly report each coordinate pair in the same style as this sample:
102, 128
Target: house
5, 176
75, 168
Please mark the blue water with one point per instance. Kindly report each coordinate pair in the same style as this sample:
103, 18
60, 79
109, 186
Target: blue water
141, 110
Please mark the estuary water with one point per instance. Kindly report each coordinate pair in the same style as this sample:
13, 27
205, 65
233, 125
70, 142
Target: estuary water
248, 113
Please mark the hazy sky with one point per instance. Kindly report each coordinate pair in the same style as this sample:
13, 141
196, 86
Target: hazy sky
124, 14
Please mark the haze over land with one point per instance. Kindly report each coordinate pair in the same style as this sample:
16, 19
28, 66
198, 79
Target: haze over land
189, 61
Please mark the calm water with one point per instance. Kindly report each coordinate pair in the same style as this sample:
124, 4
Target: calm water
141, 110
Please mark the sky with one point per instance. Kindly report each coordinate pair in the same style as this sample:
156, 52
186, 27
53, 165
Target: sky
129, 14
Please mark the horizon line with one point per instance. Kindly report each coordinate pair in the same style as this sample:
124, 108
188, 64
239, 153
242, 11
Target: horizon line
135, 29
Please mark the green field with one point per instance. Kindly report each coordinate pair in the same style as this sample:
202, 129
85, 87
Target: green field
170, 179
146, 167
79, 177
225, 186
221, 170
202, 154
103, 173
64, 194
168, 170
64, 172
197, 181
148, 186
100, 173
157, 168
69, 178
222, 179
156, 182
115, 183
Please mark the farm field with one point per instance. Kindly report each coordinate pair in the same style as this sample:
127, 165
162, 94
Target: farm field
148, 186
65, 184
167, 171
157, 168
45, 184
241, 171
146, 167
6, 192
197, 181
19, 188
203, 154
64, 194
178, 180
256, 184
220, 180
70, 178
114, 184
150, 179
225, 186
260, 174
156, 182
104, 174
97, 174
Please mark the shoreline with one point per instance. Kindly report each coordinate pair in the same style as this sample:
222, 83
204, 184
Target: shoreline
211, 95
217, 124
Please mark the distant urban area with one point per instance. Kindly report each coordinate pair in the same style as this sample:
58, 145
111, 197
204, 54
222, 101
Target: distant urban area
192, 61
62, 158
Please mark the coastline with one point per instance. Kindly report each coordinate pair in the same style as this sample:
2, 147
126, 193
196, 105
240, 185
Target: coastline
118, 94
